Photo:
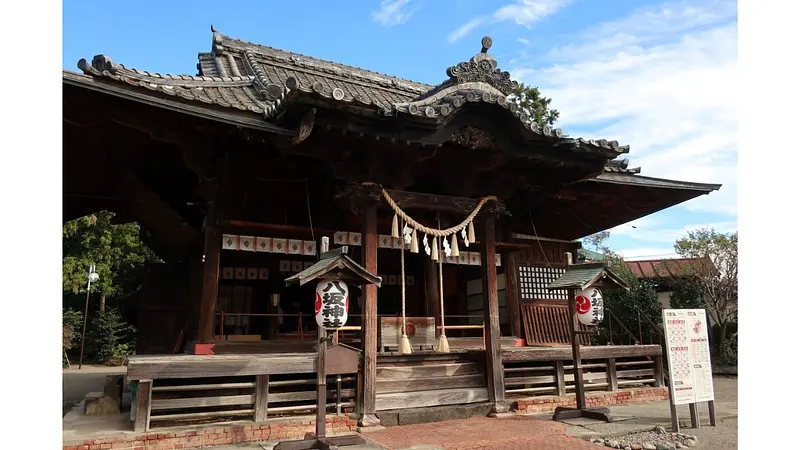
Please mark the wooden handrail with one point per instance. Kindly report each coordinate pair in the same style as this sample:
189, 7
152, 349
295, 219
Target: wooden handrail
611, 315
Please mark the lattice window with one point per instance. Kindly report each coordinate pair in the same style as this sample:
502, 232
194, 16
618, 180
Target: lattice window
533, 282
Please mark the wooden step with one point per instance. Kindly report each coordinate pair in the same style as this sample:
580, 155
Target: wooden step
426, 371
423, 399
432, 383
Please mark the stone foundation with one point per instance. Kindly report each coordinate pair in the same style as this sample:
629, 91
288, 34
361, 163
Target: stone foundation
593, 400
213, 435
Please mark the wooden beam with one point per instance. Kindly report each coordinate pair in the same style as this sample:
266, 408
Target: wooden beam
494, 361
158, 216
369, 330
141, 367
588, 352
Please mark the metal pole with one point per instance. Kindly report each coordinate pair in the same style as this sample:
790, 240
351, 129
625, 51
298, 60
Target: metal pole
85, 318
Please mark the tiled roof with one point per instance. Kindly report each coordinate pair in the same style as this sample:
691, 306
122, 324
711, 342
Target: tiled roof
663, 268
621, 166
477, 80
581, 276
257, 79
244, 93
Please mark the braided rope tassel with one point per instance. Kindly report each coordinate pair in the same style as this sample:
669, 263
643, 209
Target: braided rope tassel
405, 344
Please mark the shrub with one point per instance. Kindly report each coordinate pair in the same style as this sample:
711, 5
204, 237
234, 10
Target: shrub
731, 354
72, 323
109, 332
119, 355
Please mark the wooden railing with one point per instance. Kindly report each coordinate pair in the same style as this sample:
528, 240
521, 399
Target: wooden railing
178, 401
537, 372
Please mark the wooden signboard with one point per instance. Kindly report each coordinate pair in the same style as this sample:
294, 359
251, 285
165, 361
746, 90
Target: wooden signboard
421, 332
342, 359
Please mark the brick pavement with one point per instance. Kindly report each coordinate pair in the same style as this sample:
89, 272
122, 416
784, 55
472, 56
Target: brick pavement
482, 433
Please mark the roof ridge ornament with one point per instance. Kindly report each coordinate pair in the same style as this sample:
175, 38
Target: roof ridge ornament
482, 68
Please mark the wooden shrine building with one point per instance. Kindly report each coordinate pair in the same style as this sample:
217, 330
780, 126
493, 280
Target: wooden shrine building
235, 173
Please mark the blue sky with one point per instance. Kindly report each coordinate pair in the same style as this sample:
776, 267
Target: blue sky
659, 76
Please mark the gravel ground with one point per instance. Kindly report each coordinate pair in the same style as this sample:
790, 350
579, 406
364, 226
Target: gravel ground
722, 437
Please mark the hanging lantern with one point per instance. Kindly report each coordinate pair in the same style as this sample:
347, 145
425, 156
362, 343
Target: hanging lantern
330, 308
589, 306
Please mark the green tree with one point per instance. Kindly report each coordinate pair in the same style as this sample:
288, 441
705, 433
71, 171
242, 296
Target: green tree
535, 104
597, 241
716, 270
642, 298
116, 250
686, 294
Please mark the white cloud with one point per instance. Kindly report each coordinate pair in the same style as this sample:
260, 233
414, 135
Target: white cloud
653, 231
392, 12
465, 29
528, 12
648, 253
522, 12
664, 81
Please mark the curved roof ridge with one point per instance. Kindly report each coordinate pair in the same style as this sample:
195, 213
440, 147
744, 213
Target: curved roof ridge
414, 87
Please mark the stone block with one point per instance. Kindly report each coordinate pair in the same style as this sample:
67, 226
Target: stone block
98, 404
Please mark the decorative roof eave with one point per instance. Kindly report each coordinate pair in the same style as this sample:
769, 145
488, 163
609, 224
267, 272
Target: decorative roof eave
582, 276
638, 180
621, 166
126, 91
336, 261
243, 93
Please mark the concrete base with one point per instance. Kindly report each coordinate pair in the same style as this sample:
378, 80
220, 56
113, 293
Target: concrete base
369, 420
413, 416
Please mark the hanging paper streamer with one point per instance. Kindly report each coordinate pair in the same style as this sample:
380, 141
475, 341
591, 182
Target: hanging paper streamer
425, 244
464, 237
447, 250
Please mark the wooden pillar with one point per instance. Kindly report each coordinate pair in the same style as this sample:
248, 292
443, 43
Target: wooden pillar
580, 394
144, 395
494, 360
561, 383
369, 327
432, 289
208, 293
512, 294
262, 398
658, 371
611, 374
